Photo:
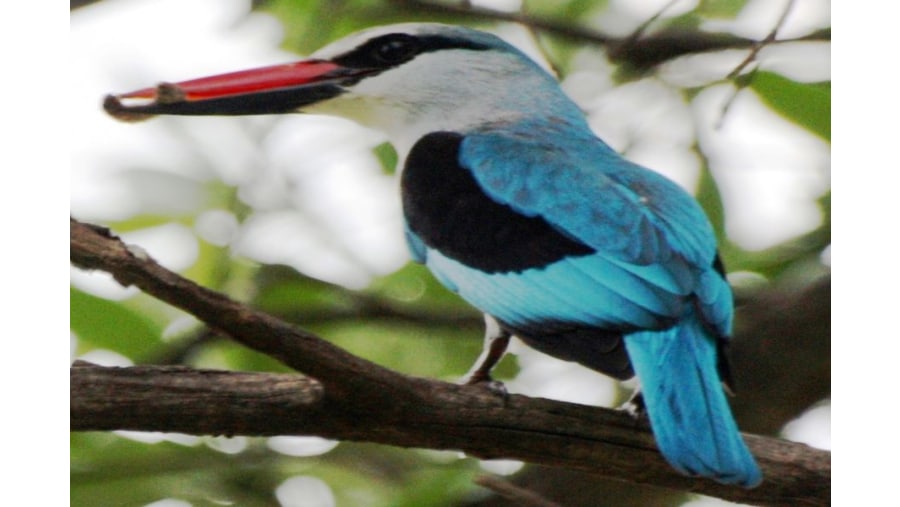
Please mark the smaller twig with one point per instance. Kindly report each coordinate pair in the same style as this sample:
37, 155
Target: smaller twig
757, 47
751, 57
510, 491
739, 85
535, 34
642, 28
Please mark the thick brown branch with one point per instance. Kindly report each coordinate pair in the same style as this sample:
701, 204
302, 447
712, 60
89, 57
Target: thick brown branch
95, 248
171, 396
396, 409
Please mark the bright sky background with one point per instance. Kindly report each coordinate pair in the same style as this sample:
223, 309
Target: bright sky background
320, 194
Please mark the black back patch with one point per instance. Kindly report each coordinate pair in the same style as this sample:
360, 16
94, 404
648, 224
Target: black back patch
447, 209
599, 349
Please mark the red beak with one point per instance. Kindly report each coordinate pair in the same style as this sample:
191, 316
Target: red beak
267, 90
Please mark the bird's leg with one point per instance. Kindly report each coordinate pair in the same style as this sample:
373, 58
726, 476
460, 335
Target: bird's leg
495, 341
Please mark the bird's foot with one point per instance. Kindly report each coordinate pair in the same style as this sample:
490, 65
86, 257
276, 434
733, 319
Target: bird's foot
635, 406
495, 387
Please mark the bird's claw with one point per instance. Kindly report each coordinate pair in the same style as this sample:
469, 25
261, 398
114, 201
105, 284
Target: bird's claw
635, 406
495, 387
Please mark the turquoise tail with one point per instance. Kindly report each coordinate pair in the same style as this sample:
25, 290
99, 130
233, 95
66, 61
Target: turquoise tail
689, 414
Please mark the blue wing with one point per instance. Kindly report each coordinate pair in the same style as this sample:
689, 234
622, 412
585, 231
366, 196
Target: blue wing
562, 231
650, 234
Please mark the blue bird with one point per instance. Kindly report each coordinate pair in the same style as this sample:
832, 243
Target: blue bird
513, 203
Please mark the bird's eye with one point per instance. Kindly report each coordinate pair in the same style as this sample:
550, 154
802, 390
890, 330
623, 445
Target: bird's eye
396, 48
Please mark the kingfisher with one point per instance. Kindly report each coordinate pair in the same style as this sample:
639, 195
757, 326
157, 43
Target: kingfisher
513, 203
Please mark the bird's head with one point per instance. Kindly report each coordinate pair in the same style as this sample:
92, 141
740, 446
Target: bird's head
406, 80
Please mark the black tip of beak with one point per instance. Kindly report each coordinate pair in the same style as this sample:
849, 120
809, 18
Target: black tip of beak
165, 94
114, 107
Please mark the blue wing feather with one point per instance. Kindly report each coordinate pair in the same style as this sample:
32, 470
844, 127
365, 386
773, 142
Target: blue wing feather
555, 293
629, 285
589, 192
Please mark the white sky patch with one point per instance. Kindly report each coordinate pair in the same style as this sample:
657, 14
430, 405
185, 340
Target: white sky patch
812, 428
501, 466
769, 171
180, 325
216, 226
650, 124
105, 357
622, 17
100, 284
648, 8
547, 377
759, 17
169, 502
154, 437
227, 445
172, 245
301, 446
305, 491
708, 501
499, 5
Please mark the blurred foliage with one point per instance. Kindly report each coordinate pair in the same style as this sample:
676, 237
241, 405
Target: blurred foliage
808, 105
720, 8
406, 321
104, 324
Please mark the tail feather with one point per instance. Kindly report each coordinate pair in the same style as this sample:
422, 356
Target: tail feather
685, 401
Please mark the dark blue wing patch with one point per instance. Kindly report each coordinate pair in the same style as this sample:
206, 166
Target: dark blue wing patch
448, 211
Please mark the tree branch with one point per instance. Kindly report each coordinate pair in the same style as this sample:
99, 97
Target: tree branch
641, 53
396, 409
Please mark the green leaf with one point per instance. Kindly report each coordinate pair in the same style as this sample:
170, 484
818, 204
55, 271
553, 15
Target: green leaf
564, 11
387, 156
227, 355
309, 26
720, 8
710, 199
146, 221
420, 350
283, 291
808, 105
101, 323
688, 21
446, 485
